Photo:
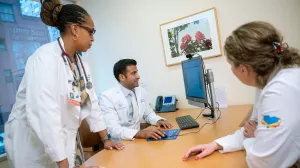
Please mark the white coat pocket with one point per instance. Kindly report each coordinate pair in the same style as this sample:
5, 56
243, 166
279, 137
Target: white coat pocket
122, 113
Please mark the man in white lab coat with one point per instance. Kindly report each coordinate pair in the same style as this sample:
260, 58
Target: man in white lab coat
125, 106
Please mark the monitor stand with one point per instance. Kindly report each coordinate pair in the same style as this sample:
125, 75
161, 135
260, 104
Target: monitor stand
210, 81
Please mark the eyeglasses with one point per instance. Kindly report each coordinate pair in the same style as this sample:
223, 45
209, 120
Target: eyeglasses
92, 31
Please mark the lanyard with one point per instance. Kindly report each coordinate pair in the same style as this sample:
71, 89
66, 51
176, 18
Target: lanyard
73, 70
89, 84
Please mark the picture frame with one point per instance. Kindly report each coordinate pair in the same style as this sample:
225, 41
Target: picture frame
195, 34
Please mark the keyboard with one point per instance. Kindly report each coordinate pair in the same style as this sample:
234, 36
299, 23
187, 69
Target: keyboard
186, 122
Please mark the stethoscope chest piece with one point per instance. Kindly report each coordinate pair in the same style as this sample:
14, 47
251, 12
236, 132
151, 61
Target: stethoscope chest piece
89, 85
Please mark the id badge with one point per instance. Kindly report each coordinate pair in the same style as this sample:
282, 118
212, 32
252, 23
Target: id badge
74, 98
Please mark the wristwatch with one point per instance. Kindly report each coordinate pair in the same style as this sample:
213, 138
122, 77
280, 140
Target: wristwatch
107, 137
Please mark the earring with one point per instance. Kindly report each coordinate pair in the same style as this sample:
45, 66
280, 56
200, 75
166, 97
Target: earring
75, 37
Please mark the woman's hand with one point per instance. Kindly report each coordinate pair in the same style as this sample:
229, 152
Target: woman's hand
250, 127
109, 145
63, 164
202, 150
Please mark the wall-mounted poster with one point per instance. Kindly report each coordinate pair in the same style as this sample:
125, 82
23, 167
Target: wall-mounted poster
194, 34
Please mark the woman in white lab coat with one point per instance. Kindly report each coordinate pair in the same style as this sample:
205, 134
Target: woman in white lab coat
55, 95
259, 58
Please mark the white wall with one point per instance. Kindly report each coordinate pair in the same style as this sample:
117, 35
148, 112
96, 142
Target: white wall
130, 29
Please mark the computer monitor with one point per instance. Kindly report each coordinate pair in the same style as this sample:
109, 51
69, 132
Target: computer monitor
194, 80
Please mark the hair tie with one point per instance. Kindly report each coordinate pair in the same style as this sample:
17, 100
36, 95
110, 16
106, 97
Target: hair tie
279, 47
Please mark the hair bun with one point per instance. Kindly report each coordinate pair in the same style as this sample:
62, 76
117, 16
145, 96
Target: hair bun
50, 11
55, 12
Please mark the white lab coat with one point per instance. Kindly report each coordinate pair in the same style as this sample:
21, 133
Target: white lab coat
115, 107
254, 115
272, 147
42, 126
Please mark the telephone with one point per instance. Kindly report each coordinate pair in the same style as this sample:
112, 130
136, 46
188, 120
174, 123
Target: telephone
165, 104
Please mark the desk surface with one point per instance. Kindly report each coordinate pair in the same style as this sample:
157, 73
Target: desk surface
161, 154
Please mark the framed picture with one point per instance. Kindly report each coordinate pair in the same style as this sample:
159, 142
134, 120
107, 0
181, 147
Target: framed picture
196, 34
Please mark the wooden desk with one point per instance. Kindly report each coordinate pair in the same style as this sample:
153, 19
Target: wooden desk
168, 154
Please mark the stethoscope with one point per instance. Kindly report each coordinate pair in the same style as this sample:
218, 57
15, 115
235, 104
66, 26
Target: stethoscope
89, 84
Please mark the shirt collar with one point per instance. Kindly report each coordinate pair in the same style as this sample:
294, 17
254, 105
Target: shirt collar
125, 90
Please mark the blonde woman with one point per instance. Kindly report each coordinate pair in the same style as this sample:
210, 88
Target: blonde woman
259, 58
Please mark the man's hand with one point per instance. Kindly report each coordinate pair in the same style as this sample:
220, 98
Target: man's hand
109, 145
250, 127
150, 132
164, 124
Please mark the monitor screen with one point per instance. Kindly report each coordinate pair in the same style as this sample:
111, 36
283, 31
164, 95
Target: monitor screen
194, 82
168, 100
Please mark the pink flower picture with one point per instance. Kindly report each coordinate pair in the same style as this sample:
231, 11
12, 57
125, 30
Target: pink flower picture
195, 34
190, 38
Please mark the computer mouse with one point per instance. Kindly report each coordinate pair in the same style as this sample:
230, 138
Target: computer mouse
152, 139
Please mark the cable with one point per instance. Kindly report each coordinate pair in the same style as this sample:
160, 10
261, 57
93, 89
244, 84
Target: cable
218, 109
199, 114
209, 106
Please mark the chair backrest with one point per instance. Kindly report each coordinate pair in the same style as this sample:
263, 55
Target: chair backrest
88, 138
